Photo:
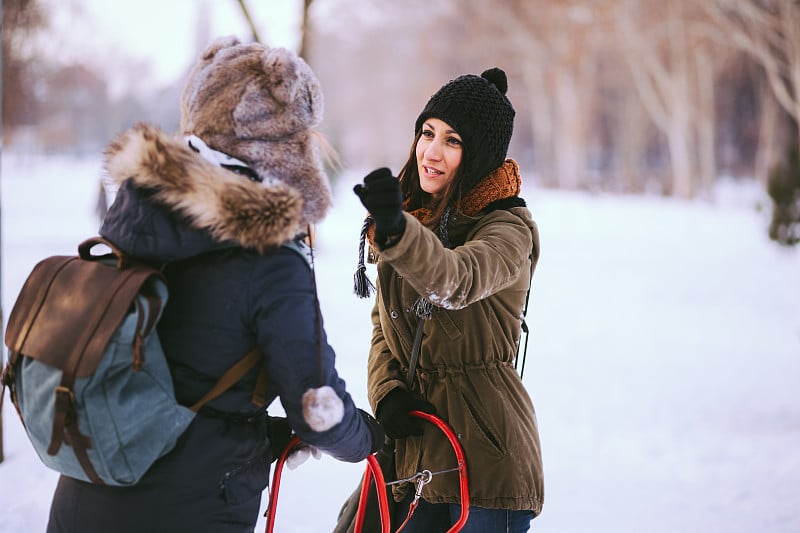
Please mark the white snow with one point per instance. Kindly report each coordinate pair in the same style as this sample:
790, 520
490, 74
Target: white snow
664, 356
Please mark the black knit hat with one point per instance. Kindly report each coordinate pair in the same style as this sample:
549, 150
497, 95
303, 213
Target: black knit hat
477, 108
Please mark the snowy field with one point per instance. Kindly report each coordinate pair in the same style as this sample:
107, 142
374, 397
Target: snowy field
664, 357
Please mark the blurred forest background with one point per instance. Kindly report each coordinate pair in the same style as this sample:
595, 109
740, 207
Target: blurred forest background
623, 96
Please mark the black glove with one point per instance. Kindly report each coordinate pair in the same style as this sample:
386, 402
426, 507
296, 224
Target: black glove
375, 429
393, 414
381, 195
279, 434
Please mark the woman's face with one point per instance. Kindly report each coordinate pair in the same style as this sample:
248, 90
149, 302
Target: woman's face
439, 151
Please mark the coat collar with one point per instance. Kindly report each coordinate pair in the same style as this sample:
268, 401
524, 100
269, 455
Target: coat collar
230, 207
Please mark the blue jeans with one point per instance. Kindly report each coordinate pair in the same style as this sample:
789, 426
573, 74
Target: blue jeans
439, 517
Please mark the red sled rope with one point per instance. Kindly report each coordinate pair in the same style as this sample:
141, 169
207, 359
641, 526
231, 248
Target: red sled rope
373, 473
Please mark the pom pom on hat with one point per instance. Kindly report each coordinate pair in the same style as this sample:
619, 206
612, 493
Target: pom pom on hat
496, 77
477, 108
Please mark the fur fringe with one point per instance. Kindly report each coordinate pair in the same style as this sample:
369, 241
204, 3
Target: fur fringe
233, 208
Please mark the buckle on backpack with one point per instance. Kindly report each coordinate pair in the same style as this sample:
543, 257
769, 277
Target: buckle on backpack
65, 398
7, 376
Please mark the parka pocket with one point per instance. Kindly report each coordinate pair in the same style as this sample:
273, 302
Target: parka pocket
447, 324
484, 428
245, 482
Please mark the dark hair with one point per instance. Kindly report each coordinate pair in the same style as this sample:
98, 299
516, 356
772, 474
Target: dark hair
416, 197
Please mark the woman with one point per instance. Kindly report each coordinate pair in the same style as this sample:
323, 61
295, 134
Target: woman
222, 209
456, 246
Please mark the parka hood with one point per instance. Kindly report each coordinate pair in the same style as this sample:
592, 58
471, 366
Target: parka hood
219, 206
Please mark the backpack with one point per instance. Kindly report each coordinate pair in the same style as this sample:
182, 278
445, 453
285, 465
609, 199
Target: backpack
86, 371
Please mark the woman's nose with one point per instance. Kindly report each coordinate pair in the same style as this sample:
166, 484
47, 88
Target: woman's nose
433, 151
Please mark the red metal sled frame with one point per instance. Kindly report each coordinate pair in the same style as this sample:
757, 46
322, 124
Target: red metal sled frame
373, 471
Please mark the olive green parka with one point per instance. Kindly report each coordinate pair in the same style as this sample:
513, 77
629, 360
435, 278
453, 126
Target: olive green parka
466, 368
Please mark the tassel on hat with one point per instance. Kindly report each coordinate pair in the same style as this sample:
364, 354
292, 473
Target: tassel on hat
422, 308
362, 286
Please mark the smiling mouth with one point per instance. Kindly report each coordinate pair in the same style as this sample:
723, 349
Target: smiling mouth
432, 171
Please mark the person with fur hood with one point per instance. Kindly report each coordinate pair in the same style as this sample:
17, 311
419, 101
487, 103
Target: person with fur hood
223, 209
455, 247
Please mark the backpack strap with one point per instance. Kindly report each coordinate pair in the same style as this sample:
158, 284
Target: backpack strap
524, 328
231, 376
259, 396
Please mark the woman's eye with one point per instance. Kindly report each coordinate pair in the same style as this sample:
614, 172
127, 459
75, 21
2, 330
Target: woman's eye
454, 141
427, 133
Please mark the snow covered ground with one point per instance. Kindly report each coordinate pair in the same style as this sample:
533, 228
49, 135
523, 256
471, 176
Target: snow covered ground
664, 357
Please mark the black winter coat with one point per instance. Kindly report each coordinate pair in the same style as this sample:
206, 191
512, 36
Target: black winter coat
224, 300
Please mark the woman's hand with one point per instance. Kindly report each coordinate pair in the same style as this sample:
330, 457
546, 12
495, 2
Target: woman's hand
393, 414
380, 194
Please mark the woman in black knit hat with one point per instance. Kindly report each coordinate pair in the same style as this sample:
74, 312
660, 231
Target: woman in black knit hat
455, 248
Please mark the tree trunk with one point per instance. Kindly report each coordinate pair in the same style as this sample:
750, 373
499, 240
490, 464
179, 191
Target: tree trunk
707, 163
767, 129
678, 95
680, 157
541, 124
632, 132
304, 31
568, 147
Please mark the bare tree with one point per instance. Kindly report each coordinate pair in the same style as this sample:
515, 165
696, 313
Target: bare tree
667, 55
766, 154
547, 44
613, 94
17, 18
250, 23
20, 18
704, 120
305, 30
580, 61
768, 30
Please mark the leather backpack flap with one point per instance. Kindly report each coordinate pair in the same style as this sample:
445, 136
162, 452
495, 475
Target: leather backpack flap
68, 310
28, 301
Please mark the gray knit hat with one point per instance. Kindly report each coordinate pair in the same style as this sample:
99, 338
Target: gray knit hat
260, 105
478, 109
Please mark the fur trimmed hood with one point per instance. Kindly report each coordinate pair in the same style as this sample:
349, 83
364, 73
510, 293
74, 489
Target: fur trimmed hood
229, 206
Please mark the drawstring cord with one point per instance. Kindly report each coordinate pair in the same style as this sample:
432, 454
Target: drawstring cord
444, 234
322, 406
317, 310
